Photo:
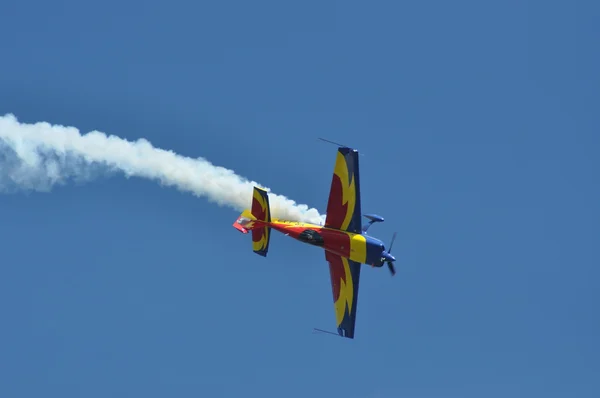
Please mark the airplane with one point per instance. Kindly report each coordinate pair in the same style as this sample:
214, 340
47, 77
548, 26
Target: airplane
343, 237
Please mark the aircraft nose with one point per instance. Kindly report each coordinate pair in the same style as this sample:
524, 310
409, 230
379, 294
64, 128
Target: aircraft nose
388, 256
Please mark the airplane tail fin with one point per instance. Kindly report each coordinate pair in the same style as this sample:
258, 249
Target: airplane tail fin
256, 220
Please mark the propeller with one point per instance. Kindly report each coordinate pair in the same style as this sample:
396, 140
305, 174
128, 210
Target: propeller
392, 242
390, 259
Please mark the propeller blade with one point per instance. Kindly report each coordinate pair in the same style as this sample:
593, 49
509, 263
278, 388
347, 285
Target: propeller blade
391, 243
392, 268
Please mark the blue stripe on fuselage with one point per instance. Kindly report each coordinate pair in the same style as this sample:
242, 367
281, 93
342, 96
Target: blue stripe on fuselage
374, 249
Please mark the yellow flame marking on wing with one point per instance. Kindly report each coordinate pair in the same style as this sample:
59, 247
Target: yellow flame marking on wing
346, 294
348, 189
263, 203
262, 243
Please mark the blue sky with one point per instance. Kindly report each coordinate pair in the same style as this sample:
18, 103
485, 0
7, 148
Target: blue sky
479, 124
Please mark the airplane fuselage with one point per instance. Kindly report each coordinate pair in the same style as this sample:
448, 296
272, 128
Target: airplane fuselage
356, 247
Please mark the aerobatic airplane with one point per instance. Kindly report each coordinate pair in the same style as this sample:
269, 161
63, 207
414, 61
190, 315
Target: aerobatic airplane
343, 236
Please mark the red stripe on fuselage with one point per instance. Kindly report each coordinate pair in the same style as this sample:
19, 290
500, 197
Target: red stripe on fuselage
337, 242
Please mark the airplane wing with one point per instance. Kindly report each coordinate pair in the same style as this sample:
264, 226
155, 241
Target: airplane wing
345, 275
343, 207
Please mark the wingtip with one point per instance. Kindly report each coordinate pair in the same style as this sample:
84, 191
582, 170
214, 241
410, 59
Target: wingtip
326, 332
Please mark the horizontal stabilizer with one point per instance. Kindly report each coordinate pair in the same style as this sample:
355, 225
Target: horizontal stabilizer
245, 222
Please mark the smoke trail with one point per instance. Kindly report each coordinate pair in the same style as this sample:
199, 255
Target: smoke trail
39, 156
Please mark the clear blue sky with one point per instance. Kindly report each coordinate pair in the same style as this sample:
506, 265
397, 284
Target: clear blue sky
479, 123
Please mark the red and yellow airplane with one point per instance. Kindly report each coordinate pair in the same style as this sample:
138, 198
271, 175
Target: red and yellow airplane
343, 237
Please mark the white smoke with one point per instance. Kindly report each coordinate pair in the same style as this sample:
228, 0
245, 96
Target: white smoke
39, 156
